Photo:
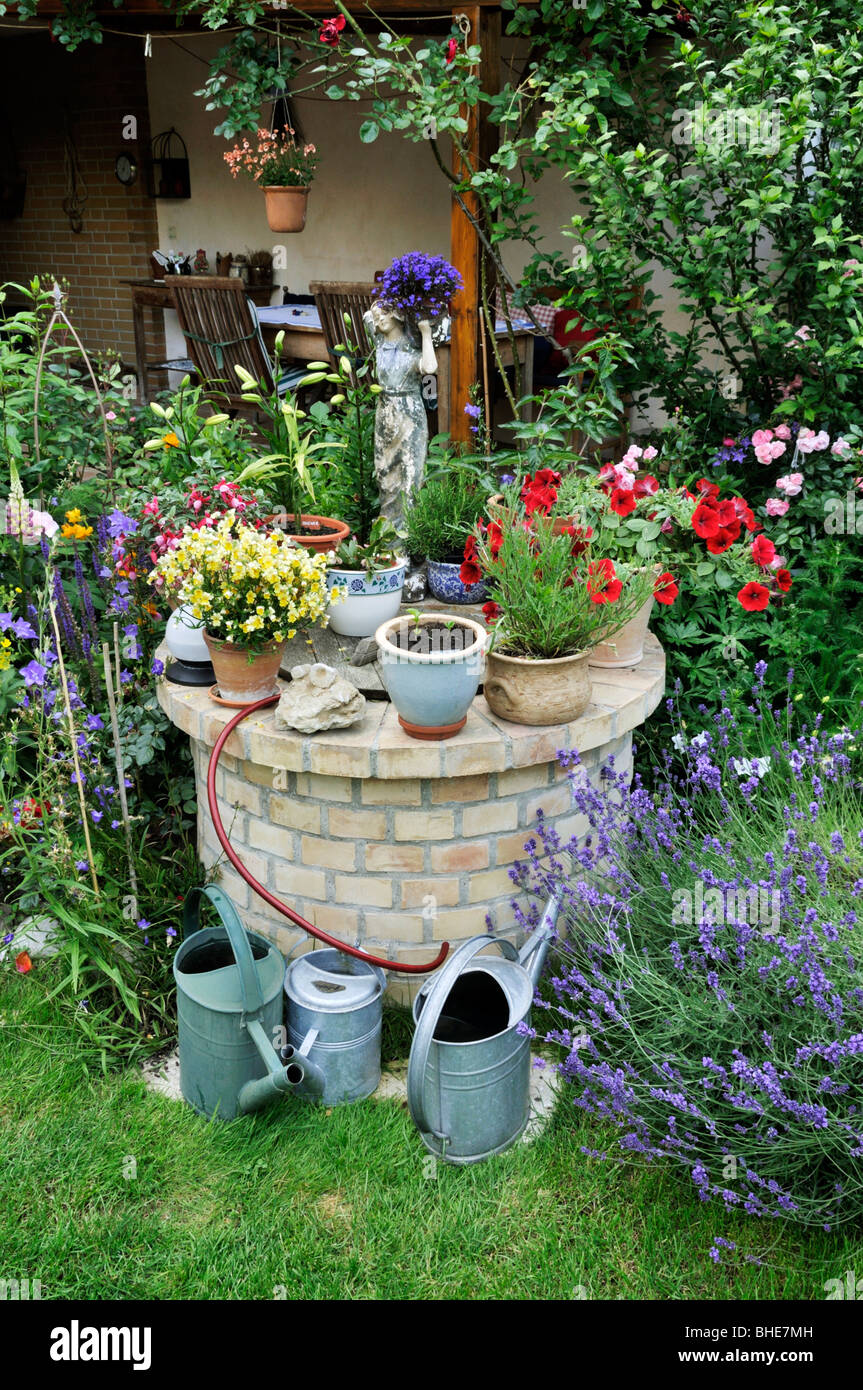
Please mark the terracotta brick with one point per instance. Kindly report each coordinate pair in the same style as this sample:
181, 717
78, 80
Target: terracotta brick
395, 858
363, 892
447, 789
485, 820
324, 788
299, 815
521, 779
424, 825
456, 857
328, 854
357, 825
292, 880
377, 791
418, 892
484, 887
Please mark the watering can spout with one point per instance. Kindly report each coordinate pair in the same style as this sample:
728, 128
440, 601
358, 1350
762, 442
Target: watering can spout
533, 953
290, 1070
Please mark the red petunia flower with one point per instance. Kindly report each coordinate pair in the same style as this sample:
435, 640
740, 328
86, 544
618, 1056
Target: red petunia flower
763, 550
602, 583
705, 520
754, 597
451, 50
722, 541
746, 514
646, 487
491, 612
783, 580
331, 29
665, 589
581, 537
622, 501
495, 538
470, 572
706, 488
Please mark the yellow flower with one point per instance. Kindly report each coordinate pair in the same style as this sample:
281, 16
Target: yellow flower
170, 440
77, 533
74, 515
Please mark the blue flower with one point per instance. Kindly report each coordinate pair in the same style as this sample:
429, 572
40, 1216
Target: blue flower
94, 721
157, 667
474, 411
33, 673
121, 525
82, 865
22, 628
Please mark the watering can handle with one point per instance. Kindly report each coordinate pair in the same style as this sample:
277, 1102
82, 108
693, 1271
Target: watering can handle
428, 1019
253, 1001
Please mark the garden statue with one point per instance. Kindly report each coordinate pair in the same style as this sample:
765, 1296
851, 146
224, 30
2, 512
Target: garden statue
401, 427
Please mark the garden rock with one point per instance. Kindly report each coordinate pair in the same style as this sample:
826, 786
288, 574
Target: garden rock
319, 698
415, 587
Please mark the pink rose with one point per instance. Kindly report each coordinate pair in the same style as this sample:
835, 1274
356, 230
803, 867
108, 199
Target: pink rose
764, 453
838, 447
110, 415
774, 506
791, 484
809, 442
649, 453
782, 432
761, 437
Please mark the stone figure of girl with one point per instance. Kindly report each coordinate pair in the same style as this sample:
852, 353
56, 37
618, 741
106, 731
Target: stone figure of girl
401, 427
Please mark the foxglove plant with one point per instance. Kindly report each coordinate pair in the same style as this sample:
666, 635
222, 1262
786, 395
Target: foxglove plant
707, 994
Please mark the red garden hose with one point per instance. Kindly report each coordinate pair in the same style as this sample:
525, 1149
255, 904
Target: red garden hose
262, 892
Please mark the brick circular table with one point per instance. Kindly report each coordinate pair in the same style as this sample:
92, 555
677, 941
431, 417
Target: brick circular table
388, 841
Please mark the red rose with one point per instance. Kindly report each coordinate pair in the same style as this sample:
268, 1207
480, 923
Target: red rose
705, 520
491, 612
622, 501
783, 580
451, 50
754, 597
665, 589
763, 550
331, 29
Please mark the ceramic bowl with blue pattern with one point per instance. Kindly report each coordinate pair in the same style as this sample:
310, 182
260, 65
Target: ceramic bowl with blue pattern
444, 584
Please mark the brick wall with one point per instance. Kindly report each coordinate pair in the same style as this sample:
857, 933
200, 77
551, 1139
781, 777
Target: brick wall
98, 85
398, 865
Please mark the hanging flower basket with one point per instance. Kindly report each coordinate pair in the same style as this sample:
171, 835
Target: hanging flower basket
286, 208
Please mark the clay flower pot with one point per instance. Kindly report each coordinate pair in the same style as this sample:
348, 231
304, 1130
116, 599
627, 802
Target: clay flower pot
498, 511
286, 208
433, 679
626, 647
243, 676
526, 691
330, 539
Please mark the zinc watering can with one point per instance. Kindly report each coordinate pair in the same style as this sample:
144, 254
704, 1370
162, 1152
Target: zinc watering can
229, 1008
338, 1000
469, 1069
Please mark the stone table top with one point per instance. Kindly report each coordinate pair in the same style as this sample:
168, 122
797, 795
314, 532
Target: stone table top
378, 747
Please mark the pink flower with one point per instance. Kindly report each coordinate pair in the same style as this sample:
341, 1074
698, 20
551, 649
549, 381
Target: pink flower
760, 438
809, 442
803, 332
838, 447
777, 563
790, 387
791, 484
649, 453
668, 525
110, 415
728, 443
858, 483
766, 453
774, 506
851, 268
151, 508
782, 432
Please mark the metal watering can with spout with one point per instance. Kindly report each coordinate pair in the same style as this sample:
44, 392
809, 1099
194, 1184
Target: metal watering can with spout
469, 1069
229, 1009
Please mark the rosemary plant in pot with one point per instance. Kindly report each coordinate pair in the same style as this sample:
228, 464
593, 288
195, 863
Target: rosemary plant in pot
251, 590
287, 471
437, 524
550, 599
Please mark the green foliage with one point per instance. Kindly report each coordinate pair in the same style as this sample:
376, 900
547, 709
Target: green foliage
443, 513
379, 552
347, 484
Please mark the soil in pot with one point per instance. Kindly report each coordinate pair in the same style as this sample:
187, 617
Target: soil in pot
432, 637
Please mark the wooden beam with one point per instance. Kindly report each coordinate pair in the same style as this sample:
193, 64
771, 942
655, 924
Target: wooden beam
465, 246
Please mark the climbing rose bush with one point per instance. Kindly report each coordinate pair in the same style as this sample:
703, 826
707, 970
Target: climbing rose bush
706, 988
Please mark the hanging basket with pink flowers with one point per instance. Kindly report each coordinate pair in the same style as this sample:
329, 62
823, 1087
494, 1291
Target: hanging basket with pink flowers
283, 169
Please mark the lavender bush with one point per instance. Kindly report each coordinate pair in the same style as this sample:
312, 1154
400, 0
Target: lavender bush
707, 991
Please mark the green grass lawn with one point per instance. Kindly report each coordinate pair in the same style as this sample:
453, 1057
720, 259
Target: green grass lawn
309, 1203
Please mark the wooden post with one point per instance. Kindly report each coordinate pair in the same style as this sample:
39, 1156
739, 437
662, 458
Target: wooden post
480, 142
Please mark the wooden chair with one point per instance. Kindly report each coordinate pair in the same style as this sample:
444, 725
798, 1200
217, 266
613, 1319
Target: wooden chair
334, 299
221, 328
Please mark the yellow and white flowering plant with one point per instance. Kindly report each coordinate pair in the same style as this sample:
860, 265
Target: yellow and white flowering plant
246, 586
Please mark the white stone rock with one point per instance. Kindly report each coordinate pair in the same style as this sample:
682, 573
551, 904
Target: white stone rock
319, 698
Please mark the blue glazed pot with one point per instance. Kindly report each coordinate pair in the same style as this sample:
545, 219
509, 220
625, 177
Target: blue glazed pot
367, 599
445, 584
431, 688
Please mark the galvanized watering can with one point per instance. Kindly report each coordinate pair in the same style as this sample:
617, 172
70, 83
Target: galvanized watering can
469, 1069
229, 1007
337, 1000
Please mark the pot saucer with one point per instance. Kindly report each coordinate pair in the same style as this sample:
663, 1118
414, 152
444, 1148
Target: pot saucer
432, 732
214, 695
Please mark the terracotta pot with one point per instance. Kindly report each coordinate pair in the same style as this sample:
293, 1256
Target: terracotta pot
626, 647
286, 208
329, 540
497, 511
243, 676
525, 691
